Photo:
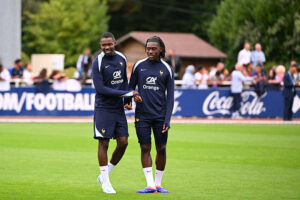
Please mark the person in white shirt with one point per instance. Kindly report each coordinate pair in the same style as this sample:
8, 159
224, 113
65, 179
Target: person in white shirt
4, 79
244, 56
189, 78
27, 76
237, 79
201, 77
257, 56
83, 59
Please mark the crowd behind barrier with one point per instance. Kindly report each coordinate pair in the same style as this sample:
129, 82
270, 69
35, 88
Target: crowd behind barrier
248, 73
178, 84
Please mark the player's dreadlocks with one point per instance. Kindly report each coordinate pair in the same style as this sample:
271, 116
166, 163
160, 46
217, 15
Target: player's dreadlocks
161, 44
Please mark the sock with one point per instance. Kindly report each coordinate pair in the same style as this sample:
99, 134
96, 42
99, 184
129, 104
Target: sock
110, 167
158, 177
149, 177
104, 174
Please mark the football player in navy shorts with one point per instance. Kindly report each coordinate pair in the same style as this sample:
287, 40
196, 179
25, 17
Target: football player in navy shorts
111, 84
155, 81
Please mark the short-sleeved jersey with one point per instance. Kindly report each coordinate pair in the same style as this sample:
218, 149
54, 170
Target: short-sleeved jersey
17, 72
155, 81
110, 80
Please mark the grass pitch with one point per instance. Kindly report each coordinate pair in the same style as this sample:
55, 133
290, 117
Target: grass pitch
59, 161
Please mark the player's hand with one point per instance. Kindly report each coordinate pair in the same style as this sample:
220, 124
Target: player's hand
128, 106
135, 93
138, 99
165, 128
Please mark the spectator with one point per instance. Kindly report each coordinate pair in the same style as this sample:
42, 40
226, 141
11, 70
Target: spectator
212, 72
220, 70
59, 80
280, 70
272, 74
244, 56
175, 62
260, 79
216, 80
83, 59
63, 83
17, 70
219, 75
189, 78
257, 56
236, 88
27, 76
289, 92
201, 77
297, 74
249, 69
83, 75
273, 84
42, 83
225, 75
4, 79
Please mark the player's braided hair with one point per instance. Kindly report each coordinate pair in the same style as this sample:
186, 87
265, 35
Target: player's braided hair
160, 42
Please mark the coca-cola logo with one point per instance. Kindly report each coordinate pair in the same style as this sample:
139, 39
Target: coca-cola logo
296, 104
177, 107
251, 104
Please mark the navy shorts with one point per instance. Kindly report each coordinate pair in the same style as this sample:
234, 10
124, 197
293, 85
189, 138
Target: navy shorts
143, 131
108, 124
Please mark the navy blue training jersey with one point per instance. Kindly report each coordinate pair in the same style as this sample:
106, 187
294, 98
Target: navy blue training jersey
110, 80
155, 81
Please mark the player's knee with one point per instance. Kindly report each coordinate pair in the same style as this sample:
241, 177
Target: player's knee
103, 144
122, 145
145, 149
161, 150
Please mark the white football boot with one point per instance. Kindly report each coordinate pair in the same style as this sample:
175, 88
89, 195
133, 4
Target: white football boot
107, 188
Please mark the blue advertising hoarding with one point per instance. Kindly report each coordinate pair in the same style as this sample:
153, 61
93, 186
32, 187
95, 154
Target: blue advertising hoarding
188, 103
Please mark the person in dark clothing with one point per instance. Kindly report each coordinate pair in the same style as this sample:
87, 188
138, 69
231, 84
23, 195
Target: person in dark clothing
42, 84
289, 92
17, 71
110, 80
155, 80
260, 78
175, 62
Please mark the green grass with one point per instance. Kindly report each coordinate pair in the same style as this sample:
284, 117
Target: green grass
59, 161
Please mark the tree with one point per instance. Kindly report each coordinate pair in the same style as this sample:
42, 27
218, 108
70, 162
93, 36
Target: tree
161, 16
65, 26
274, 24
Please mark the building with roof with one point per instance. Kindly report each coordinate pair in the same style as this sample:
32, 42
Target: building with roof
189, 47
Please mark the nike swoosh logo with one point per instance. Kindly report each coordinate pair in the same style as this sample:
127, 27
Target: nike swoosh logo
106, 66
143, 70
